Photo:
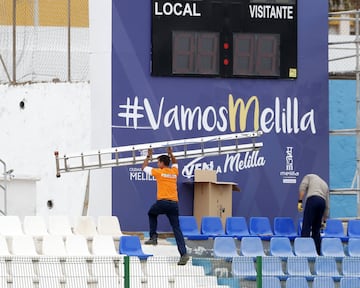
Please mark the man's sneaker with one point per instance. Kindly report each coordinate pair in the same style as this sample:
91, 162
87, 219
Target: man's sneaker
183, 259
151, 241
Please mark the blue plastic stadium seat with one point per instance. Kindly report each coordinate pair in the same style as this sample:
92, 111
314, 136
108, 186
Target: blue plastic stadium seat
326, 266
271, 282
351, 266
323, 282
131, 246
354, 247
243, 267
260, 226
334, 228
190, 229
281, 247
272, 266
284, 226
354, 228
297, 282
252, 247
211, 226
332, 247
299, 266
349, 282
305, 246
237, 227
224, 247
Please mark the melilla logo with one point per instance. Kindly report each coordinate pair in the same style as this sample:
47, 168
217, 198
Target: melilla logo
177, 9
232, 163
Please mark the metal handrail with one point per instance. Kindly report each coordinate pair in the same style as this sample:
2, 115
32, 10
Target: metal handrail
4, 187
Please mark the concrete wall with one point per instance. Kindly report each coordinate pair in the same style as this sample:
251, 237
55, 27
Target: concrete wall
53, 117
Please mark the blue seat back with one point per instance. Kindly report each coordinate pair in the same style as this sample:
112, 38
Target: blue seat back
354, 247
271, 266
298, 266
351, 266
129, 244
323, 282
252, 247
188, 225
225, 247
284, 226
349, 282
281, 247
332, 247
271, 282
211, 225
297, 282
326, 266
334, 228
236, 226
305, 246
243, 267
260, 226
354, 228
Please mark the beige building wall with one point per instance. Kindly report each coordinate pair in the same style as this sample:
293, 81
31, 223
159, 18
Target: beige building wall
47, 12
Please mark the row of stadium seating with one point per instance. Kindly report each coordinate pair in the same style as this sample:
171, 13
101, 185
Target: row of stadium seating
225, 247
60, 225
211, 226
301, 282
26, 272
55, 245
245, 267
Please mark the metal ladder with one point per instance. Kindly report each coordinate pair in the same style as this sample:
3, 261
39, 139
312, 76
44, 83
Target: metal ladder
135, 154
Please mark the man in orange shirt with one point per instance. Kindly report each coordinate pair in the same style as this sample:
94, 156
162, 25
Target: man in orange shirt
167, 199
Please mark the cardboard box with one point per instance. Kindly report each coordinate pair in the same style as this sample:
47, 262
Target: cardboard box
205, 176
212, 198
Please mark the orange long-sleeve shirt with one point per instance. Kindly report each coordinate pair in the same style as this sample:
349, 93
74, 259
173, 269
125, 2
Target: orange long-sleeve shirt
166, 179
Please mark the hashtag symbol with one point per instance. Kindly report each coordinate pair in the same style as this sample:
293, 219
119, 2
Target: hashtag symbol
132, 112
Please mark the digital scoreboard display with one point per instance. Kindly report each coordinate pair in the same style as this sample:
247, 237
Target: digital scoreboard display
224, 38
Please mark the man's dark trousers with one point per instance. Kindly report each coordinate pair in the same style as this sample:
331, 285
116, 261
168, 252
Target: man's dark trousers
313, 214
171, 210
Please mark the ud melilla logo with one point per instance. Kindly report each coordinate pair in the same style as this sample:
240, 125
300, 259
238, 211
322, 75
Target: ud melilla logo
289, 175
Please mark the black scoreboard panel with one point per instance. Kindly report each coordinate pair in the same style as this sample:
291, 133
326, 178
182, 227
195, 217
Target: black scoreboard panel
228, 38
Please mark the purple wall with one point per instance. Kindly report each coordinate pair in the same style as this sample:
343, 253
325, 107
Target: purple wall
143, 111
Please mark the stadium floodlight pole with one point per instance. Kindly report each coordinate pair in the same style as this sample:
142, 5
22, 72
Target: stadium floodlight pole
135, 154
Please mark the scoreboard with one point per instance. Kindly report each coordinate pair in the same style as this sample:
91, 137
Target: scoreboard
228, 38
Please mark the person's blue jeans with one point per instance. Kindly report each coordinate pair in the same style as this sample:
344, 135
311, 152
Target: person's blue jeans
171, 210
313, 214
